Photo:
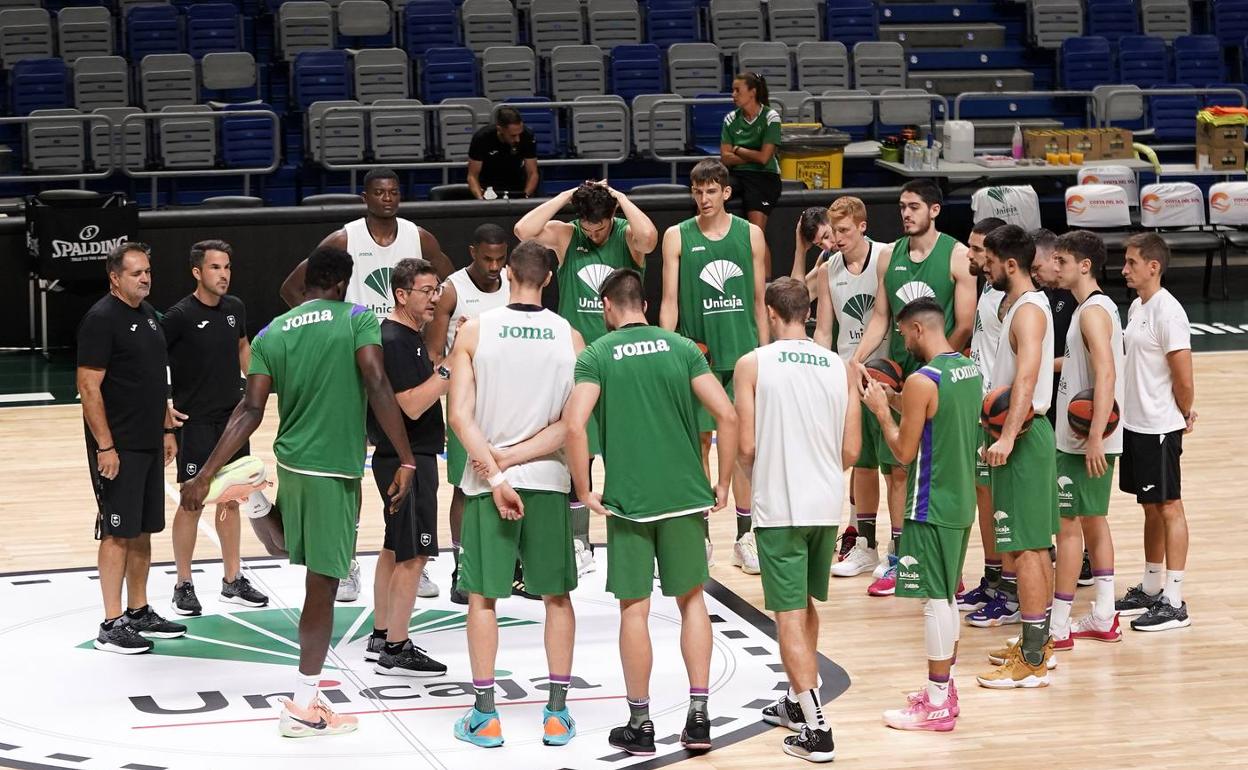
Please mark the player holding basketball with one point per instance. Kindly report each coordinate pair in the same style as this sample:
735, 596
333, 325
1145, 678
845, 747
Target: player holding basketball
713, 276
511, 376
1157, 412
324, 358
937, 437
469, 292
1022, 463
648, 382
1085, 466
800, 426
924, 262
589, 248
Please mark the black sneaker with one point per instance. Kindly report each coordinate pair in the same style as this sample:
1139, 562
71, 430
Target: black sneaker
458, 595
185, 602
517, 585
409, 661
847, 540
811, 745
153, 626
1136, 602
638, 741
1053, 554
785, 713
241, 591
122, 638
697, 733
1085, 572
373, 651
1162, 617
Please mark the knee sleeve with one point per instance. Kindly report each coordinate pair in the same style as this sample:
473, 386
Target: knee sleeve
940, 630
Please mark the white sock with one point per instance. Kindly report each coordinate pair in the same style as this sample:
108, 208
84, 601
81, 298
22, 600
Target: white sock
1152, 578
1103, 606
938, 692
1060, 619
792, 694
1174, 588
306, 689
812, 710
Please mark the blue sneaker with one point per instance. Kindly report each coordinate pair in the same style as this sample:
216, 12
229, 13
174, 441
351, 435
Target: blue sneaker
480, 729
977, 597
558, 727
995, 613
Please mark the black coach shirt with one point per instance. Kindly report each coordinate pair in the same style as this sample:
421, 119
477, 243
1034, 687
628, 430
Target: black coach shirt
1062, 304
408, 365
502, 166
203, 356
128, 344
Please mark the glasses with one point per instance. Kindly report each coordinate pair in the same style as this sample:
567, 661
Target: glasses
428, 291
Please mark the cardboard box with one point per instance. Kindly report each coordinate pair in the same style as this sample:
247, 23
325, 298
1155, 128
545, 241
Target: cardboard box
1039, 142
1220, 158
1117, 144
1219, 136
1086, 141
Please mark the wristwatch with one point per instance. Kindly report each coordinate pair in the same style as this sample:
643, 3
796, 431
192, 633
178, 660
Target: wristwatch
443, 372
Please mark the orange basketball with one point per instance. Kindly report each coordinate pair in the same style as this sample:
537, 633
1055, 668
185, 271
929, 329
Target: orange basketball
885, 371
997, 409
1079, 414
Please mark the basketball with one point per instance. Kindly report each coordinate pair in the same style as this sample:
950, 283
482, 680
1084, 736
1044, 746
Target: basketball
1079, 414
886, 372
997, 409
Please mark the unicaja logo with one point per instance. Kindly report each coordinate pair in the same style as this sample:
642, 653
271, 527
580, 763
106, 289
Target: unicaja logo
1151, 203
1076, 204
1220, 202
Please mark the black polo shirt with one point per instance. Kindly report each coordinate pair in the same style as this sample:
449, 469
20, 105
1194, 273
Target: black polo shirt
502, 166
128, 344
408, 365
203, 356
1062, 304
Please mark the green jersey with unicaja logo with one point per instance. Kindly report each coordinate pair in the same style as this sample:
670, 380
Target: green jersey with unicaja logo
585, 266
906, 280
716, 292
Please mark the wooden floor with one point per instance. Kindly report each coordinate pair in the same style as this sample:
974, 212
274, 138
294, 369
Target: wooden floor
1155, 701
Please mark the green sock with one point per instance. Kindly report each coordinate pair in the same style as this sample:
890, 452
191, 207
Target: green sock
558, 700
697, 701
743, 521
638, 712
485, 697
992, 573
895, 542
1035, 634
866, 527
1009, 587
580, 522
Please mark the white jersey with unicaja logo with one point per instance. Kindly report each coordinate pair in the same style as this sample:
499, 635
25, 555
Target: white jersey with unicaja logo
987, 334
1078, 375
1005, 367
370, 275
853, 298
471, 302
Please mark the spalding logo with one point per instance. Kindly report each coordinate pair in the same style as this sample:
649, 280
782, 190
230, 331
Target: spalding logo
1076, 204
1221, 202
1151, 203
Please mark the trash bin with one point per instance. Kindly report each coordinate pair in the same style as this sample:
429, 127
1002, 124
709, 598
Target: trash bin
812, 154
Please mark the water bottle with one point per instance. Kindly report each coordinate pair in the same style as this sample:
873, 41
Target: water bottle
489, 194
1016, 145
506, 195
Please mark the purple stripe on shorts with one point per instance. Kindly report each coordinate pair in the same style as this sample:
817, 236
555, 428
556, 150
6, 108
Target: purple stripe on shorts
1102, 573
1064, 597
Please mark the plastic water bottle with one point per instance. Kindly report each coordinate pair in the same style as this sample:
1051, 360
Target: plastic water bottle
1016, 146
506, 195
489, 194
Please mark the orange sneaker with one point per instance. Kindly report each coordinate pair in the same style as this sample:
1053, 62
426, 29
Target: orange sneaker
1017, 672
317, 719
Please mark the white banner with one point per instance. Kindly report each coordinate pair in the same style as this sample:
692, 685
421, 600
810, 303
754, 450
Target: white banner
1172, 204
1116, 175
1015, 204
1097, 205
1228, 203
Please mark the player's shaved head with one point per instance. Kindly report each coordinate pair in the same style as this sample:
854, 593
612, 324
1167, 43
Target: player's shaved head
624, 288
789, 298
530, 264
925, 311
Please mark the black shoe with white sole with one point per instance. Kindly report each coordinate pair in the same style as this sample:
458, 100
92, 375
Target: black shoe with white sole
1136, 602
1162, 617
638, 741
122, 638
697, 733
372, 652
409, 661
811, 745
185, 602
785, 713
152, 626
241, 591
1086, 577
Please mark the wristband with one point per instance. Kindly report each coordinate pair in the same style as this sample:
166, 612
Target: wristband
106, 449
171, 431
497, 480
409, 467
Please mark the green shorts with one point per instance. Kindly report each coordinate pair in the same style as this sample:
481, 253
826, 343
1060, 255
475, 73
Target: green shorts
679, 544
1078, 494
930, 560
1024, 492
456, 459
318, 518
982, 476
875, 452
706, 422
795, 562
541, 539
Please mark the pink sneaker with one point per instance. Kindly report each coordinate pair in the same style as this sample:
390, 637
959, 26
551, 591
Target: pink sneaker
317, 719
1064, 642
1090, 627
954, 709
886, 585
920, 714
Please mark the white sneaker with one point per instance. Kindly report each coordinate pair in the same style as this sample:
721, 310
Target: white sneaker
349, 589
861, 558
584, 558
710, 553
745, 554
428, 589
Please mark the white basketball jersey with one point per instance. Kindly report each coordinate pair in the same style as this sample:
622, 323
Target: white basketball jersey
1005, 367
987, 334
471, 302
799, 423
523, 368
370, 277
1077, 375
853, 299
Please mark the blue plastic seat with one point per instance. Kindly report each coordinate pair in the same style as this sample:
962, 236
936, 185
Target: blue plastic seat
1198, 60
212, 28
429, 24
320, 76
448, 73
39, 84
1084, 62
636, 69
152, 29
1142, 61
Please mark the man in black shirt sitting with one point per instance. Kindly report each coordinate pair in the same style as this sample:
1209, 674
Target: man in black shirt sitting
207, 338
121, 379
411, 532
503, 157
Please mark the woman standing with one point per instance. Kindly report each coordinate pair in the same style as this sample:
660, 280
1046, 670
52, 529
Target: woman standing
747, 146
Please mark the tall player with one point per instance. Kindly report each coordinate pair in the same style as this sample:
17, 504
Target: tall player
800, 426
1085, 466
1022, 464
924, 263
511, 373
937, 436
656, 492
469, 292
324, 358
589, 248
714, 271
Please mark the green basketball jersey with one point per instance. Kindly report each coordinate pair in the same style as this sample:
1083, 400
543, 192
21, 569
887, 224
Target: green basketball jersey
649, 420
752, 135
309, 351
716, 292
940, 486
906, 281
585, 266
